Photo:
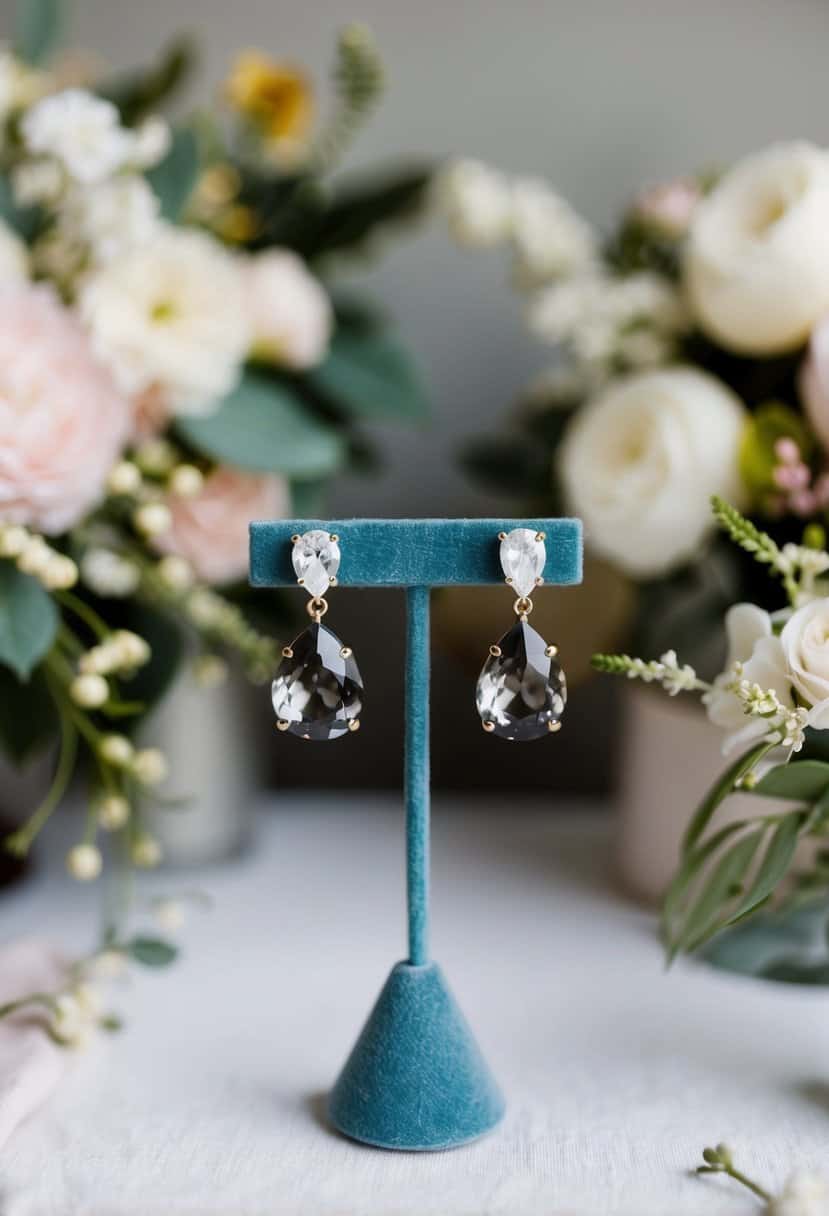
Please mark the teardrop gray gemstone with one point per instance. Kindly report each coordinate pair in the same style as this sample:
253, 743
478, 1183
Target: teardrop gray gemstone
521, 691
317, 690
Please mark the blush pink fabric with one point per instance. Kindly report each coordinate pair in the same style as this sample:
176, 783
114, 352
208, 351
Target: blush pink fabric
31, 1065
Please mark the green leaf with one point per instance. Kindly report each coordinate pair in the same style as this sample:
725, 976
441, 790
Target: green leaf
795, 971
28, 620
369, 376
775, 863
28, 718
151, 951
264, 426
23, 220
706, 915
139, 92
37, 29
799, 780
174, 178
719, 792
684, 878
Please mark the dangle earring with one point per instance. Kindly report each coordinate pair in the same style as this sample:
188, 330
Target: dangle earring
317, 691
521, 689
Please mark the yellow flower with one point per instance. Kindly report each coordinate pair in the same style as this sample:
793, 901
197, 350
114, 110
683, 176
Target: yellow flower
276, 96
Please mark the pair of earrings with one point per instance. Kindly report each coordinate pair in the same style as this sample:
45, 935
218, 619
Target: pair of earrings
317, 692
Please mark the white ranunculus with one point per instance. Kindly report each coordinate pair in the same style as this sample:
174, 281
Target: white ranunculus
805, 643
476, 201
640, 462
111, 218
14, 259
551, 239
170, 317
289, 311
757, 261
80, 130
751, 642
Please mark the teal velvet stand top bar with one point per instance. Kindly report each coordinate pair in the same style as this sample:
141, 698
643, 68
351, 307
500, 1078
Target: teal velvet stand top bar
415, 1079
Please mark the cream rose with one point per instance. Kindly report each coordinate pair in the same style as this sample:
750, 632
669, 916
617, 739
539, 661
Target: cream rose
805, 643
641, 461
289, 312
210, 529
757, 261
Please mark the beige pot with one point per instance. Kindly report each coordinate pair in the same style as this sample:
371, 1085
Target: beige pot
671, 756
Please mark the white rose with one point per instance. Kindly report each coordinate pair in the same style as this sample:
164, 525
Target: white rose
751, 642
477, 203
805, 642
111, 218
757, 262
80, 130
170, 316
640, 462
289, 311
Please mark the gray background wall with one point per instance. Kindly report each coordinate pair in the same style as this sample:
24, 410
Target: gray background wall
601, 96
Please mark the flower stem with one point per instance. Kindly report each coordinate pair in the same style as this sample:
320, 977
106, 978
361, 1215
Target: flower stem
89, 616
20, 841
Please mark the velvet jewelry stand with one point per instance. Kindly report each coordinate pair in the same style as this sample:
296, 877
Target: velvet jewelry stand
415, 1079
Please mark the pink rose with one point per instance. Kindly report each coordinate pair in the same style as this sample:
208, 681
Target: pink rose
210, 529
63, 422
669, 206
814, 381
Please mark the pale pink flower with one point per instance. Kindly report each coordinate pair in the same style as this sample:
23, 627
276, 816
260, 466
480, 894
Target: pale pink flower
210, 530
814, 381
669, 206
63, 422
289, 311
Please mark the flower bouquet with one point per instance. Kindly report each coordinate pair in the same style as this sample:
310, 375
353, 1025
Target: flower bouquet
690, 358
772, 702
173, 365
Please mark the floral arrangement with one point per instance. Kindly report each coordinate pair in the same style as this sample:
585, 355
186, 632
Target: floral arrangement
804, 1193
772, 702
690, 358
173, 365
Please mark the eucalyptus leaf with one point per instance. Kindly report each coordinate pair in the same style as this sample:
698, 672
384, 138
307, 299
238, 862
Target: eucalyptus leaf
263, 425
800, 780
798, 971
776, 861
688, 871
151, 951
719, 791
141, 91
174, 178
28, 621
37, 29
707, 914
369, 375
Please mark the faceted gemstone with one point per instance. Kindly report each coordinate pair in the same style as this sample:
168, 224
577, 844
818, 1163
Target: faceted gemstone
316, 560
317, 690
522, 559
521, 691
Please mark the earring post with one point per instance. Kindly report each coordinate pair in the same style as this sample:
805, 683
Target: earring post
416, 774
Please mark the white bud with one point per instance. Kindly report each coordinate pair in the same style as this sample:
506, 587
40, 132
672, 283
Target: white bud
149, 766
89, 691
13, 540
132, 650
175, 573
70, 1025
124, 478
156, 457
152, 518
204, 608
146, 852
151, 142
84, 862
113, 812
108, 574
60, 573
169, 914
89, 1000
209, 670
186, 480
116, 749
108, 965
35, 556
100, 660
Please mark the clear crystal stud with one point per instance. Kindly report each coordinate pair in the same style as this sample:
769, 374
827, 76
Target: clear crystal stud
316, 560
317, 691
523, 555
521, 690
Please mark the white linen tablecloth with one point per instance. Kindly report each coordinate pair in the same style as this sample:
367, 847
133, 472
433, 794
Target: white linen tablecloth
210, 1101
